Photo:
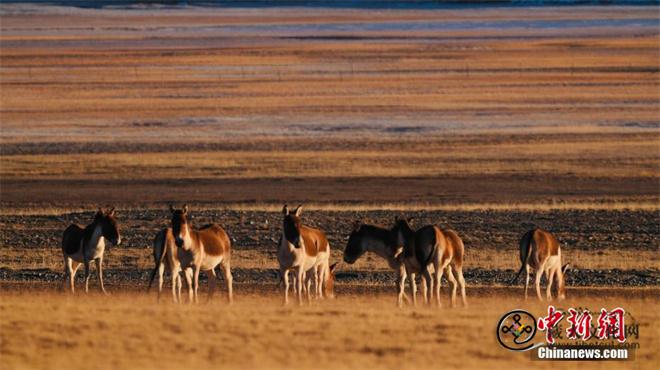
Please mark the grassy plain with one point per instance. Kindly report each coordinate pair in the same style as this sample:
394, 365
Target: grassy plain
357, 330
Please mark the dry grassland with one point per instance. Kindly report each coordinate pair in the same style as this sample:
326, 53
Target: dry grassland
354, 331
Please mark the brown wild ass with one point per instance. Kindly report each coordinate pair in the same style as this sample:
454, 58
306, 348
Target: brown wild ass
540, 253
433, 247
82, 245
166, 255
387, 244
205, 248
302, 249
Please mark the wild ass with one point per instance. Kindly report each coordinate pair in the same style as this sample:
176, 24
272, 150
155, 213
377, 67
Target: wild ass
540, 252
205, 249
387, 244
433, 247
302, 249
166, 255
82, 245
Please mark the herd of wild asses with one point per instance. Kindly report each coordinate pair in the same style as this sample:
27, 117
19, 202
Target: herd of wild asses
304, 251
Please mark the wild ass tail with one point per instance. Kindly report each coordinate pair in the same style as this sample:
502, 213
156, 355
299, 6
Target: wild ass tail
525, 252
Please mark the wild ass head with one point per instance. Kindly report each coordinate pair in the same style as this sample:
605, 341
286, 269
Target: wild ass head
402, 230
292, 224
180, 226
108, 224
330, 281
355, 246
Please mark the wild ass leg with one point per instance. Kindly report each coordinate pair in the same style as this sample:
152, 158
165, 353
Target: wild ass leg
285, 277
301, 278
438, 282
294, 283
71, 272
308, 285
196, 282
99, 272
87, 275
429, 283
537, 283
179, 285
175, 276
324, 270
229, 280
188, 274
402, 286
212, 281
461, 282
425, 288
550, 275
413, 288
67, 272
454, 284
161, 272
526, 280
320, 278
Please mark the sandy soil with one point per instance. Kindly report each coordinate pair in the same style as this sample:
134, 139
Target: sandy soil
354, 331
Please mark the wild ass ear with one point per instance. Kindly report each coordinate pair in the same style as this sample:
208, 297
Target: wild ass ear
172, 208
285, 210
298, 210
111, 212
565, 268
356, 225
185, 209
333, 267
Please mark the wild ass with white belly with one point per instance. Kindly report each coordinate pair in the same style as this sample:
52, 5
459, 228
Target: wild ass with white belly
302, 249
442, 250
82, 245
387, 244
165, 254
540, 253
205, 249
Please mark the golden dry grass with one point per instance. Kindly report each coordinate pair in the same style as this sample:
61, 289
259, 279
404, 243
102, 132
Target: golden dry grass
41, 329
